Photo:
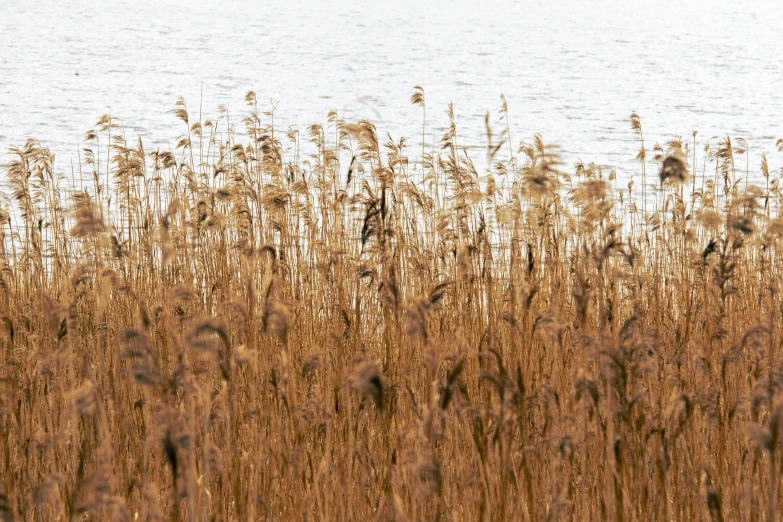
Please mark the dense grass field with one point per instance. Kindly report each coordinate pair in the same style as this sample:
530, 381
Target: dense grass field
333, 325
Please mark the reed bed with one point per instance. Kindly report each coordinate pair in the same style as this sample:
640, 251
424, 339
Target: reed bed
237, 329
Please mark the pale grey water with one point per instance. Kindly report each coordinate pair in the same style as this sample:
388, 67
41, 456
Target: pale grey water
570, 70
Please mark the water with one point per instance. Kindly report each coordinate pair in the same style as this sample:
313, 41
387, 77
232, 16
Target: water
570, 70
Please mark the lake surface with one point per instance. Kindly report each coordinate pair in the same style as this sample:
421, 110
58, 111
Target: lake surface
571, 70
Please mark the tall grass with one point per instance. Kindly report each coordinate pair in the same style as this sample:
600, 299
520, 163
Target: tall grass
244, 331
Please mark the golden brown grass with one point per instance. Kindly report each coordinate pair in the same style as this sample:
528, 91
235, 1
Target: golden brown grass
228, 332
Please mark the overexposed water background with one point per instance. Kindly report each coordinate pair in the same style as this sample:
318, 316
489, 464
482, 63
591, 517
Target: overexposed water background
571, 70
